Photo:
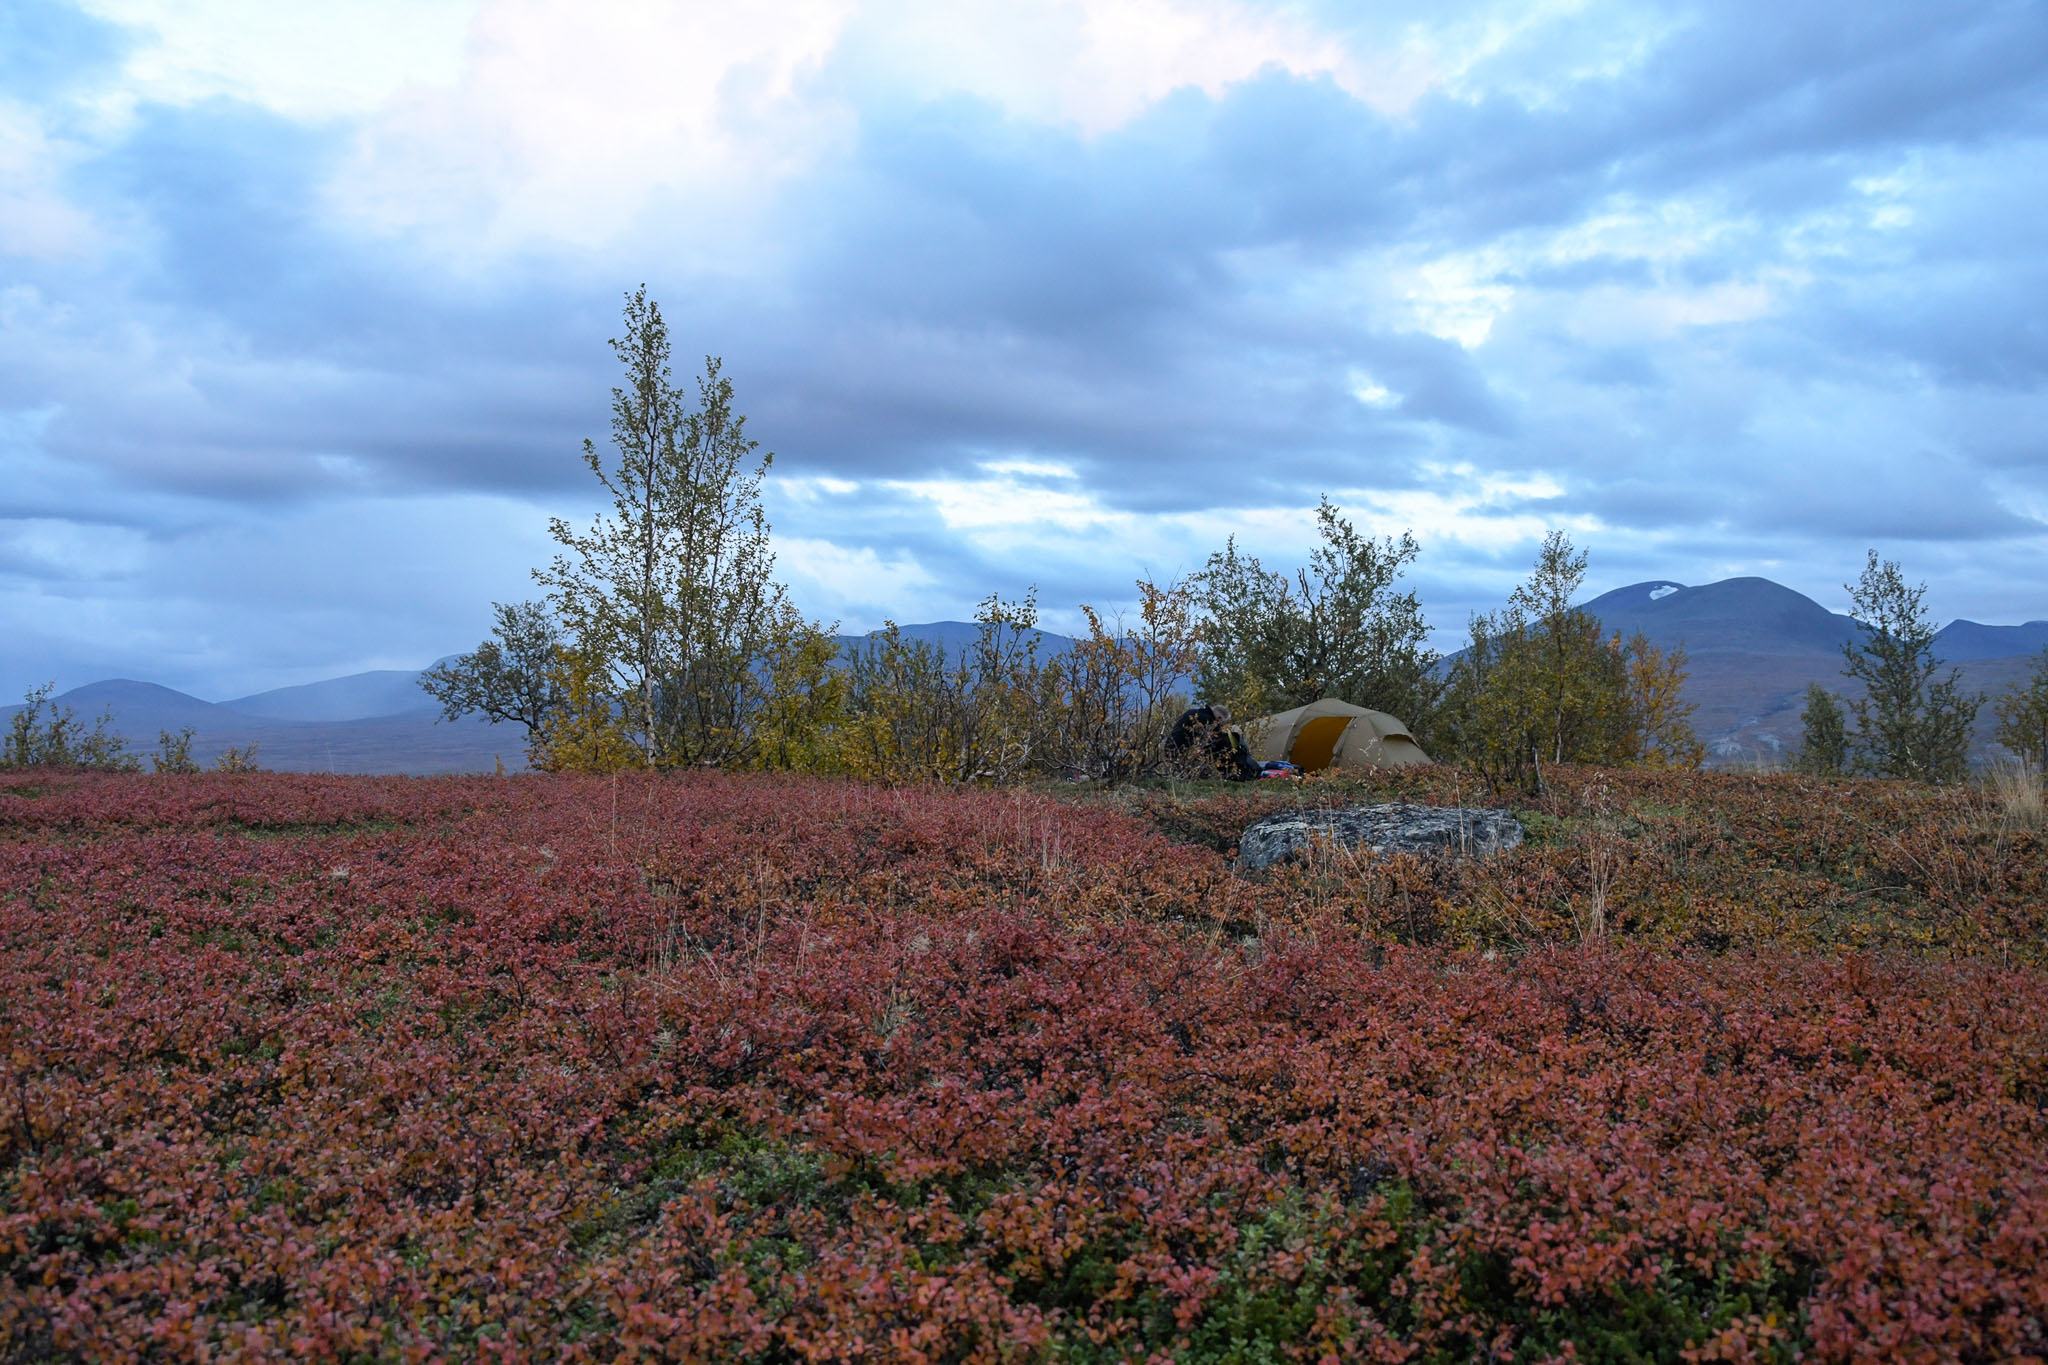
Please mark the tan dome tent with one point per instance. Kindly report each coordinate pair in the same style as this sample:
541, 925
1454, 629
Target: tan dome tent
1326, 733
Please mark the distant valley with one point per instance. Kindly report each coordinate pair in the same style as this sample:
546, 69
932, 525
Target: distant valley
1753, 646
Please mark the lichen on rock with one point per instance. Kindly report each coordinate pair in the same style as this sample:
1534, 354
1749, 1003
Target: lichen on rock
1456, 832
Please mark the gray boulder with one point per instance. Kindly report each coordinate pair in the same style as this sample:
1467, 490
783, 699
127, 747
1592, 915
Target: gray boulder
1398, 828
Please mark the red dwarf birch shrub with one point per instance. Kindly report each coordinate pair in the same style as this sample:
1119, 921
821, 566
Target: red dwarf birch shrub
725, 1069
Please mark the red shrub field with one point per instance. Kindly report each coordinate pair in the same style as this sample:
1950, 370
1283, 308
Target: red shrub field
748, 1069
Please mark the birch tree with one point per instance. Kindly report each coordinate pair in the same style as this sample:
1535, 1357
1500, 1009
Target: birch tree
671, 590
1908, 722
1543, 682
1334, 628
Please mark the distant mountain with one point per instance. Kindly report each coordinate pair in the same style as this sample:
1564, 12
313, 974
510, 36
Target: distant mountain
359, 696
954, 637
1744, 615
138, 706
1959, 641
411, 742
1753, 646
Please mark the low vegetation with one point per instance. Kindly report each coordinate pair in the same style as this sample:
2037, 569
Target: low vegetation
775, 1068
2023, 717
46, 734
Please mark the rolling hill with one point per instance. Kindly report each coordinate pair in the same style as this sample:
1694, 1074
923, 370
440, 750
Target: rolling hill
413, 741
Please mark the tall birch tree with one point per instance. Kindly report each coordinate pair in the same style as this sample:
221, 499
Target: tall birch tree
672, 589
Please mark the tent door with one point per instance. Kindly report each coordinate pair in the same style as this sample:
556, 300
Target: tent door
1316, 743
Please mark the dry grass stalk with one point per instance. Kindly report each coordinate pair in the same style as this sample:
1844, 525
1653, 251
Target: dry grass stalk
1603, 844
2016, 791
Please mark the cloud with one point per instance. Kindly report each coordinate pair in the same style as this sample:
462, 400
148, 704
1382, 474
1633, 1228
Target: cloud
37, 220
567, 125
220, 599
49, 48
308, 62
858, 587
1095, 67
1056, 293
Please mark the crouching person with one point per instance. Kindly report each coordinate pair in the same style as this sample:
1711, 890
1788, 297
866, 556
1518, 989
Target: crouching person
1204, 739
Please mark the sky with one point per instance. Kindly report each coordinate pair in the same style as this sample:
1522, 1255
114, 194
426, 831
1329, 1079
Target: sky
304, 308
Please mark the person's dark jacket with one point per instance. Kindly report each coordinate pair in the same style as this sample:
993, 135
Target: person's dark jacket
1199, 732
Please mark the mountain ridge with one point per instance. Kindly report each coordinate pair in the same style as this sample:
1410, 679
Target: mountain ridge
355, 696
1753, 646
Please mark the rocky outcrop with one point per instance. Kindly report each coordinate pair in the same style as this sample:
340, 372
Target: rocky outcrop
1399, 828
